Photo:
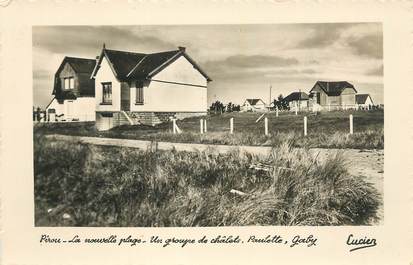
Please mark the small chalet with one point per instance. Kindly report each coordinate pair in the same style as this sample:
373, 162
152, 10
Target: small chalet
297, 100
147, 88
364, 101
326, 94
73, 91
254, 104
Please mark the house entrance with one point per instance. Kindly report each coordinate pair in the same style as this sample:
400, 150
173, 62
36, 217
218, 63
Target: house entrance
69, 110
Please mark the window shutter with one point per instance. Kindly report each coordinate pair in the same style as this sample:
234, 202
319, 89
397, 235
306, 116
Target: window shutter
139, 97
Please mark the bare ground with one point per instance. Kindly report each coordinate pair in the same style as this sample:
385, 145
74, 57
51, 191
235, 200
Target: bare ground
367, 164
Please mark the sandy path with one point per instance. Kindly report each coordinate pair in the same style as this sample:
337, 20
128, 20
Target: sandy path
367, 164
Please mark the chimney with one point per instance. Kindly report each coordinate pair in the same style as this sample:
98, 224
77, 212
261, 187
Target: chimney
181, 48
104, 46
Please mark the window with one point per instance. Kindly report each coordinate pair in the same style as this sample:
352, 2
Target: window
139, 92
69, 83
107, 93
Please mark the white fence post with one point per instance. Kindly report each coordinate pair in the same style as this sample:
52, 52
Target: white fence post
174, 126
296, 107
205, 126
266, 125
351, 124
201, 126
276, 111
305, 125
231, 125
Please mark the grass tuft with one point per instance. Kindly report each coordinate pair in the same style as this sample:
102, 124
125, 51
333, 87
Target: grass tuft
109, 186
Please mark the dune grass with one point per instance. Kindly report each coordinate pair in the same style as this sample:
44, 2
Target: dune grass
82, 185
325, 130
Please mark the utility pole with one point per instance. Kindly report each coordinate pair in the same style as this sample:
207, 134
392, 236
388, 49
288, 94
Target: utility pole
269, 106
215, 100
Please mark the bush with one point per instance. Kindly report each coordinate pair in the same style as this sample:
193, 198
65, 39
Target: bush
108, 186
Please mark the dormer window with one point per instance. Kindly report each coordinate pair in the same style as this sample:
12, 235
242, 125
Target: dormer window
69, 82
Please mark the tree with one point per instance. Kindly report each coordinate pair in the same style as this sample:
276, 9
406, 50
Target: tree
217, 107
236, 108
230, 107
38, 110
280, 103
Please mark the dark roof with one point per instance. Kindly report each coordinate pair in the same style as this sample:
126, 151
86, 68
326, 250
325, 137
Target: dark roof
150, 62
131, 65
296, 96
80, 65
123, 62
361, 98
62, 95
334, 88
253, 101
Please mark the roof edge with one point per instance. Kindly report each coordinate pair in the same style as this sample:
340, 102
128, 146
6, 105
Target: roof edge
97, 66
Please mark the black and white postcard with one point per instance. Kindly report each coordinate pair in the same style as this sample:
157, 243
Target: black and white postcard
206, 133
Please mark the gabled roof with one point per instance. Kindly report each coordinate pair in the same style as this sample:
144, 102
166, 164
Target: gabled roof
361, 98
296, 96
121, 61
130, 65
254, 101
151, 62
79, 65
334, 88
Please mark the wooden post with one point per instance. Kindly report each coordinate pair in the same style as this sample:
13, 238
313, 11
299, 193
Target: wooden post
205, 125
276, 111
231, 125
305, 125
295, 103
174, 126
259, 118
266, 125
351, 124
201, 126
329, 107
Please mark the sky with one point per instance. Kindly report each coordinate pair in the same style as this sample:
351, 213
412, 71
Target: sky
244, 61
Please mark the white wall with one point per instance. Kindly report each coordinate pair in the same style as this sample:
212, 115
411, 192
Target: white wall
105, 74
55, 105
259, 105
298, 103
348, 97
181, 71
369, 101
82, 109
170, 98
179, 95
